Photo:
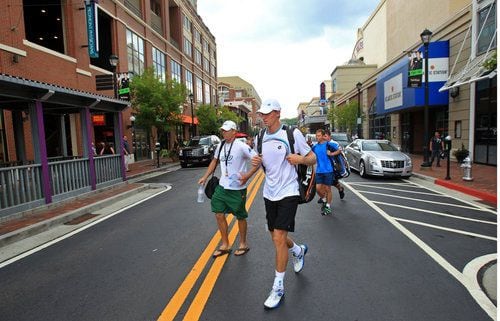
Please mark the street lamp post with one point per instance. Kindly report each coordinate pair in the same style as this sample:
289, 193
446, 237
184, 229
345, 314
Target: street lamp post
113, 61
358, 120
191, 96
426, 39
132, 123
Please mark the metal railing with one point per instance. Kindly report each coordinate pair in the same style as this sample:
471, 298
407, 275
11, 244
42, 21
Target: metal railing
107, 168
69, 175
20, 184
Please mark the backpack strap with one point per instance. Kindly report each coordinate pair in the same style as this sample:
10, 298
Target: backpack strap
218, 157
291, 140
260, 137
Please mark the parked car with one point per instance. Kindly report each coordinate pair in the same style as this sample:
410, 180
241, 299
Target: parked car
200, 149
373, 157
342, 138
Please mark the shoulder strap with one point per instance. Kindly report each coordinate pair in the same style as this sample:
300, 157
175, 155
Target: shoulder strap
259, 140
291, 140
218, 156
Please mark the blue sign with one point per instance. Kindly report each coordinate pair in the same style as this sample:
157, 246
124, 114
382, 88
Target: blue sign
93, 42
393, 92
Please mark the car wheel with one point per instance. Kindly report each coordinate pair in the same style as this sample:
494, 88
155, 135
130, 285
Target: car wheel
362, 169
184, 165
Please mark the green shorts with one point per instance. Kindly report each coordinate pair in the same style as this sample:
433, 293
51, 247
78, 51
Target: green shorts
230, 201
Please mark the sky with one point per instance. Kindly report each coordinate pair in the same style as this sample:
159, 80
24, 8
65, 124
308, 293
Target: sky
284, 48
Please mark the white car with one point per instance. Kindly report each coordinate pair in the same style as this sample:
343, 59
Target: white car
375, 157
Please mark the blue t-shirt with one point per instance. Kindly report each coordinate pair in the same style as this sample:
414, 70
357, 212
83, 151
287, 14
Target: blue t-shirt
323, 161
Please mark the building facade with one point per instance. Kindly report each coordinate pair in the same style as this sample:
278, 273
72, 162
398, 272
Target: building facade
60, 95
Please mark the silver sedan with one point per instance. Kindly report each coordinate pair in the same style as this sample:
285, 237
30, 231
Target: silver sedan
374, 157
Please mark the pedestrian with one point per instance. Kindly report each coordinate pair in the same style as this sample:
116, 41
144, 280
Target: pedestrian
249, 141
126, 152
107, 149
334, 147
324, 170
436, 146
281, 192
230, 196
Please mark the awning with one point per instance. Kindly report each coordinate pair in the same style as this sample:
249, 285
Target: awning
187, 119
473, 71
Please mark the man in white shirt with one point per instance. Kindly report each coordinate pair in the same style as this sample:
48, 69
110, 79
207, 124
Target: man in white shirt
281, 191
231, 194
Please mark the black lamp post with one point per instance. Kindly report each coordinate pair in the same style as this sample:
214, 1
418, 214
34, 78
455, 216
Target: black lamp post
358, 120
426, 39
113, 61
191, 96
132, 123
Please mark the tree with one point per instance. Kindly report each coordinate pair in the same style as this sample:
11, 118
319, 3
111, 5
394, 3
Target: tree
210, 119
156, 103
290, 121
344, 117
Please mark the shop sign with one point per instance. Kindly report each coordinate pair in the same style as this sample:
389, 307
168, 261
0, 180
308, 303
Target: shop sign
393, 92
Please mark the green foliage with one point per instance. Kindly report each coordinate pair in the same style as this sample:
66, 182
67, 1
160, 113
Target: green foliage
290, 121
207, 120
461, 153
210, 119
344, 118
156, 103
491, 63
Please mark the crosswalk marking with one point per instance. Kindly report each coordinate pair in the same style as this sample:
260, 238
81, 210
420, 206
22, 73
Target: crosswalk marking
436, 213
446, 229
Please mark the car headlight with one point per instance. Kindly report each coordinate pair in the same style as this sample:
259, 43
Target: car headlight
373, 161
205, 150
408, 162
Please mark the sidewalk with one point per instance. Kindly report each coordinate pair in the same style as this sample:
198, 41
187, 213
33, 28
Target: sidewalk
483, 187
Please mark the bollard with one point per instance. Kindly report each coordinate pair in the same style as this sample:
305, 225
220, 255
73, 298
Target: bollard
157, 149
467, 166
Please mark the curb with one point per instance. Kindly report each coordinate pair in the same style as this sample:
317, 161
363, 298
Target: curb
43, 226
488, 197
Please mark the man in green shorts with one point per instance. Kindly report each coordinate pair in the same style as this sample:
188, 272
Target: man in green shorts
231, 194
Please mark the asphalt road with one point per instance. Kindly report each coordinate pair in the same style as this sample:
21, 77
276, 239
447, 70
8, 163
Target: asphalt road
387, 253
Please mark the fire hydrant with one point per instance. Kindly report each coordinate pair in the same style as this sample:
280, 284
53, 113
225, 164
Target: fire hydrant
467, 166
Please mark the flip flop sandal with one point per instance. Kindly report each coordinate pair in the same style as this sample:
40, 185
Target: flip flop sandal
242, 251
220, 252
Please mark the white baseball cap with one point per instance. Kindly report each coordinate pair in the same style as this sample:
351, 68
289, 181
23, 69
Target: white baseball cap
228, 125
268, 106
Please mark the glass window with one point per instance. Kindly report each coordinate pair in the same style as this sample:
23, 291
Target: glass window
159, 64
135, 53
187, 23
204, 43
206, 65
206, 98
176, 70
189, 81
488, 15
199, 90
43, 24
188, 47
197, 57
212, 71
197, 36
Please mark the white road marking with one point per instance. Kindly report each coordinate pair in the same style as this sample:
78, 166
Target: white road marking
379, 183
477, 206
471, 271
436, 213
425, 201
65, 236
446, 229
407, 191
487, 306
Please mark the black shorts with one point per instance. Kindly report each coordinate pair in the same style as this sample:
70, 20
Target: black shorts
280, 214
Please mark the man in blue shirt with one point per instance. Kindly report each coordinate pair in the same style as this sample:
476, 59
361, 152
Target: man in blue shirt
325, 177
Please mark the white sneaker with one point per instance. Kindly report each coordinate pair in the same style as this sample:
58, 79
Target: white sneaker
274, 298
298, 261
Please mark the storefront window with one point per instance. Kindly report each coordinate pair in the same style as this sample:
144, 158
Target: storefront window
485, 134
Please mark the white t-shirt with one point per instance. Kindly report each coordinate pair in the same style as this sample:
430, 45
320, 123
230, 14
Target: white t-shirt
237, 160
281, 176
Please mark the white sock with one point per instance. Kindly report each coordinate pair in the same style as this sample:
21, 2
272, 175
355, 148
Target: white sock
278, 280
295, 249
327, 205
324, 199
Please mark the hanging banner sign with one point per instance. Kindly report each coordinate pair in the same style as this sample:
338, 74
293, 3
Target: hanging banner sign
92, 33
415, 69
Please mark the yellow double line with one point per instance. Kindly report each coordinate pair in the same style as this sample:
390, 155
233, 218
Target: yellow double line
199, 301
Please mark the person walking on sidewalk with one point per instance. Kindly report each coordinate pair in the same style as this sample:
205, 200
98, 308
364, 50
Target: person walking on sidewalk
281, 192
436, 146
126, 152
231, 194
